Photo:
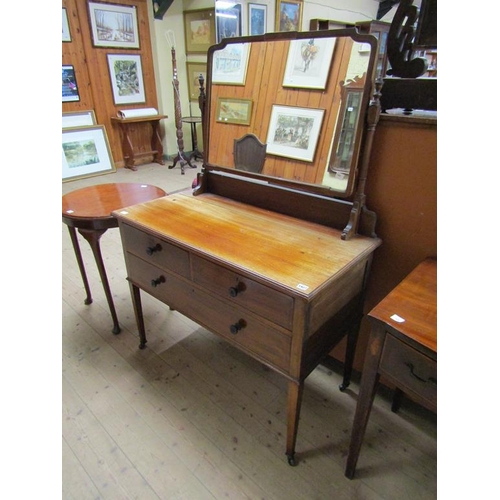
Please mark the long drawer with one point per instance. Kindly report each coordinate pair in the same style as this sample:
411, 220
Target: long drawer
412, 370
266, 302
156, 251
235, 324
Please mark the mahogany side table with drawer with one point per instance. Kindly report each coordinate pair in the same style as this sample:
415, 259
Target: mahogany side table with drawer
402, 348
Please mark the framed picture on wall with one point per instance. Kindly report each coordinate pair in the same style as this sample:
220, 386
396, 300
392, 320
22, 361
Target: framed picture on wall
126, 78
229, 66
194, 70
288, 15
293, 132
228, 22
199, 30
85, 153
69, 86
237, 111
114, 25
66, 35
257, 18
308, 63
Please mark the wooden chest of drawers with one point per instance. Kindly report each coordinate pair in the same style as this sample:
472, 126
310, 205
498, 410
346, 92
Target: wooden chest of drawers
283, 290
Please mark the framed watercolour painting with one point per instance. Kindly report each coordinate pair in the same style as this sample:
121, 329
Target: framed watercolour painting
229, 66
308, 63
114, 25
199, 30
293, 132
228, 21
237, 111
69, 86
288, 15
66, 35
257, 18
85, 153
194, 70
126, 78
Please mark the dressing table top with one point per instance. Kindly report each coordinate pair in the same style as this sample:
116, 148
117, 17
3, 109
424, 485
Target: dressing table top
297, 255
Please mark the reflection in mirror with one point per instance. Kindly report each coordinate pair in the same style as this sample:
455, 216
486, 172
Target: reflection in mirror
303, 94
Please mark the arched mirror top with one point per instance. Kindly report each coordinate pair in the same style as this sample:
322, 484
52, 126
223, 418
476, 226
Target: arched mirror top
303, 94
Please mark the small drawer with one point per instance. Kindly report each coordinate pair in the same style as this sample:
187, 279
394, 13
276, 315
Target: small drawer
411, 369
155, 250
264, 301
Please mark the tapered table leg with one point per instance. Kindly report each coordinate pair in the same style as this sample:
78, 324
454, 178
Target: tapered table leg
81, 266
93, 238
295, 391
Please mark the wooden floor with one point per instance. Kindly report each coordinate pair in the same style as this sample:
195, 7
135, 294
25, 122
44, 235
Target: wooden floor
190, 418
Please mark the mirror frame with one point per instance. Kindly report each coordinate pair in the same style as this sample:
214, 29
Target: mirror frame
208, 110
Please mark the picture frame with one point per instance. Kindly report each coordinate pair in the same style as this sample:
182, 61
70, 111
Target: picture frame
228, 22
199, 30
125, 71
230, 64
308, 63
288, 15
78, 119
69, 85
257, 19
235, 111
66, 34
85, 153
293, 132
193, 71
114, 25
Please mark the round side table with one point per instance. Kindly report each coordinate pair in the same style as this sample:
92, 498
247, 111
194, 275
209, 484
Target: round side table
89, 210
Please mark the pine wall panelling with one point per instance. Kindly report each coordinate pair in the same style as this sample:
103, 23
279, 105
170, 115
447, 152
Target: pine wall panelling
93, 79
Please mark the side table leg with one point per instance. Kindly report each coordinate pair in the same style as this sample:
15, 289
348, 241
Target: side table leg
93, 238
139, 318
81, 266
352, 340
128, 148
368, 388
156, 144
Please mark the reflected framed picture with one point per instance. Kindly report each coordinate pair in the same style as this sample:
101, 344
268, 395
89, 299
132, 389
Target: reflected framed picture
236, 111
294, 132
194, 70
199, 30
257, 18
114, 25
85, 153
78, 119
308, 63
229, 66
228, 21
126, 78
69, 86
288, 15
66, 35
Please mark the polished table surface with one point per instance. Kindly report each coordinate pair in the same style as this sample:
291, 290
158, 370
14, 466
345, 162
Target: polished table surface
402, 348
89, 210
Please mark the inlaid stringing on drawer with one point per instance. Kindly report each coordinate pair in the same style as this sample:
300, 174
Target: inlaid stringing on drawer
261, 299
235, 324
155, 250
412, 369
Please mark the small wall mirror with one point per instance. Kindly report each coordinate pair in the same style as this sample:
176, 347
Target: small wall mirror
303, 94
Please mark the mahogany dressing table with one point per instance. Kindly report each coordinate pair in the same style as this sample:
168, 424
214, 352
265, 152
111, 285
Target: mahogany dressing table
276, 267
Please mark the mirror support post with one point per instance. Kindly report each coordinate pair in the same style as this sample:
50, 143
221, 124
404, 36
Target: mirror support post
358, 207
